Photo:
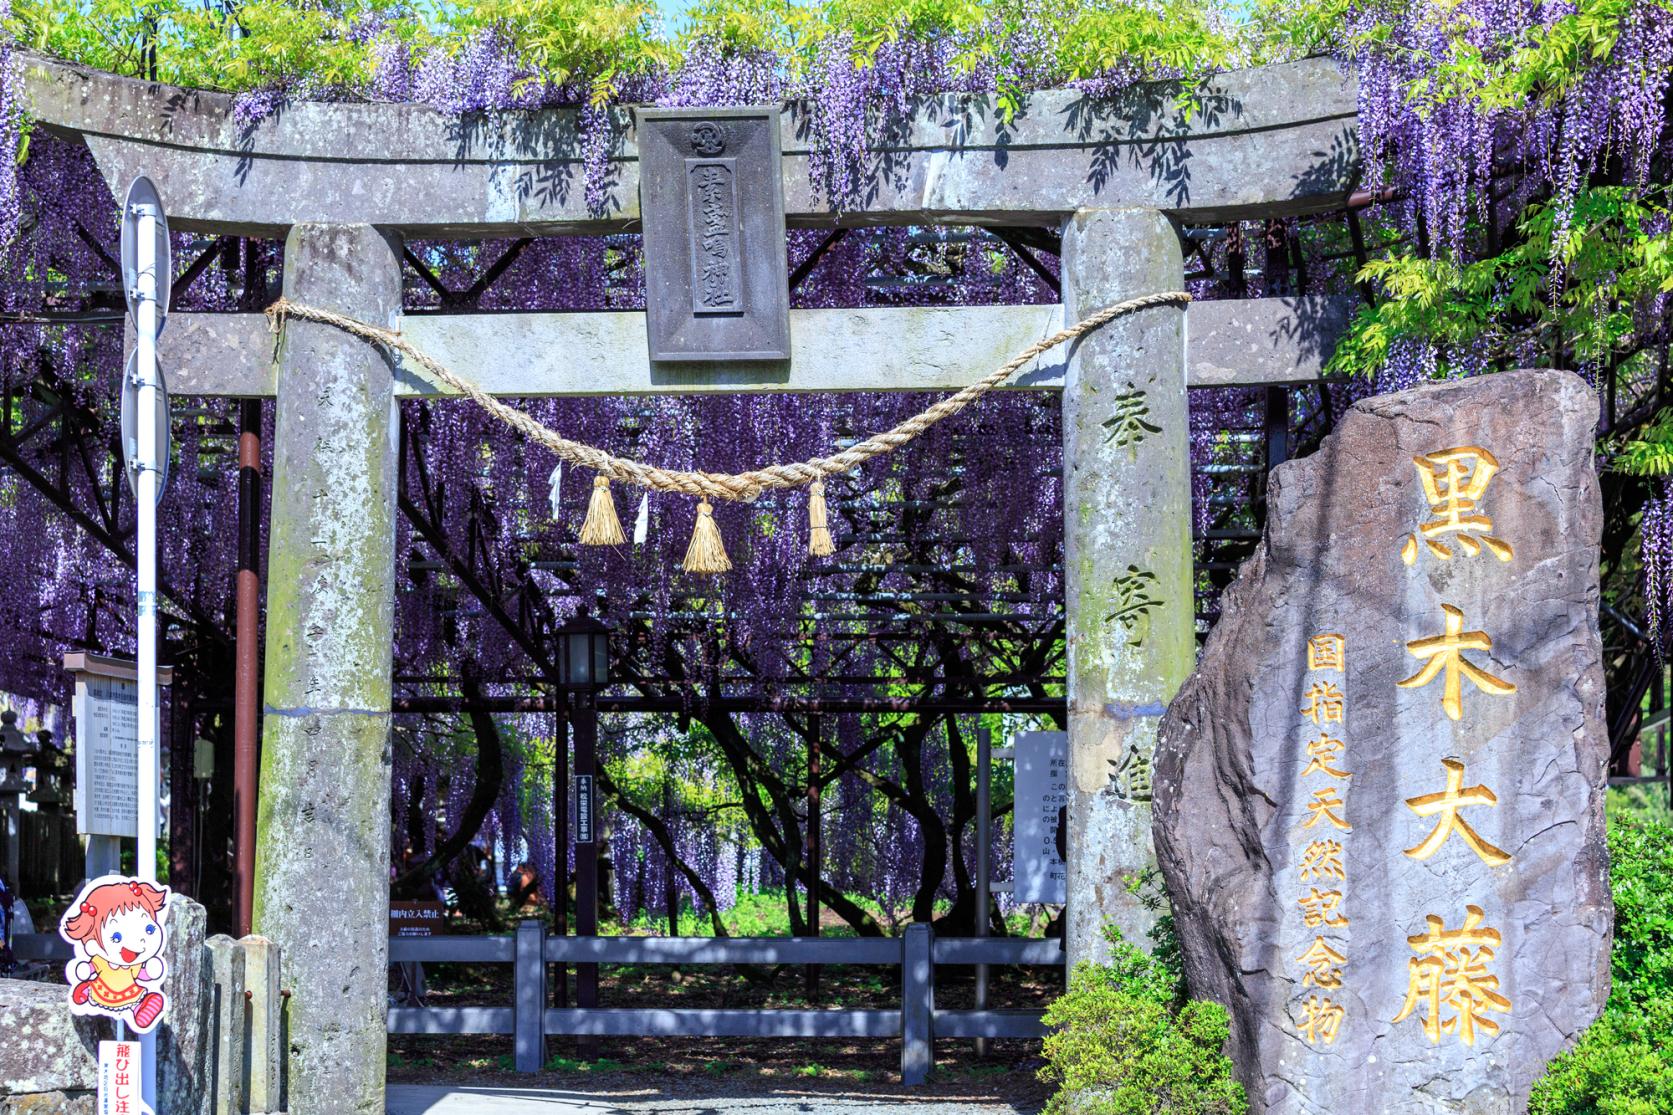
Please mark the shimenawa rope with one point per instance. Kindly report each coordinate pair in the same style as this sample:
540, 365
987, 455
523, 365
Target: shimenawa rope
710, 555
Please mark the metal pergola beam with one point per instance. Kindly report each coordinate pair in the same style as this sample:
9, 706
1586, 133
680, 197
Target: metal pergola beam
1043, 705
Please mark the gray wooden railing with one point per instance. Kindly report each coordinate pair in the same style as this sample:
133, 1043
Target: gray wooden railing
917, 1022
40, 947
528, 1020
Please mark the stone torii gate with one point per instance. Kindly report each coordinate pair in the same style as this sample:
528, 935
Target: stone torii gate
346, 183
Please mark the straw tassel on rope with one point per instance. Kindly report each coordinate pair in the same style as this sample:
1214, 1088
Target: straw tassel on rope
707, 552
818, 527
602, 527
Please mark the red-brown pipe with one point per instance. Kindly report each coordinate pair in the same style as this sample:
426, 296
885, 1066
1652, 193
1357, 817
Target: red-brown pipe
247, 686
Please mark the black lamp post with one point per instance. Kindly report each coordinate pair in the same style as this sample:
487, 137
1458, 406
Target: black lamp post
584, 669
583, 653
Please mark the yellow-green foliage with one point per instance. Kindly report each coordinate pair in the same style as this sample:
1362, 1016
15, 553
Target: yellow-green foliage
563, 41
1611, 243
1172, 36
1126, 1042
272, 43
298, 46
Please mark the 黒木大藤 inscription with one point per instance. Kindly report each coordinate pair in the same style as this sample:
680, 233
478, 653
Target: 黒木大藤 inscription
1379, 800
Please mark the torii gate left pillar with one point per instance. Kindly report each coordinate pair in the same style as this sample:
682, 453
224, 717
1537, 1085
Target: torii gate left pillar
322, 867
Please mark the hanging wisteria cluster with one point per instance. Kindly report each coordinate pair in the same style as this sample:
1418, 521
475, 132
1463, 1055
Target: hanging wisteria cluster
1452, 101
1527, 147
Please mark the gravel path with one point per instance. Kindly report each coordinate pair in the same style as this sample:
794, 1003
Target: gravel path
436, 1099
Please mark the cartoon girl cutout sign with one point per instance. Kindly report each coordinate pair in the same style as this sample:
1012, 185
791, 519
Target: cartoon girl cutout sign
117, 928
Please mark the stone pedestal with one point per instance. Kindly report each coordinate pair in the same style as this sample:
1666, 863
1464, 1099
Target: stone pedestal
49, 1058
1379, 801
1127, 555
322, 869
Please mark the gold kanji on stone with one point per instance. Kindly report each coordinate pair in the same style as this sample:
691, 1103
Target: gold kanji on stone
1322, 859
1318, 907
1327, 652
1321, 753
1454, 480
1321, 1020
1450, 973
1325, 703
1446, 805
1326, 806
1445, 652
1323, 965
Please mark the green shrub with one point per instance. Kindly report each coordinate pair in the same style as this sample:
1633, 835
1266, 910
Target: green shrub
1623, 1064
1641, 879
1127, 1043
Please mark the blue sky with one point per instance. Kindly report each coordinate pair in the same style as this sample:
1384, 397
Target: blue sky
672, 10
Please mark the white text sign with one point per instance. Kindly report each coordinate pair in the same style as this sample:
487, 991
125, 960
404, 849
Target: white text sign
1042, 792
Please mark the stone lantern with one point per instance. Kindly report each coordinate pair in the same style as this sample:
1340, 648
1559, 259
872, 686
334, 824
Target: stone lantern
50, 794
16, 751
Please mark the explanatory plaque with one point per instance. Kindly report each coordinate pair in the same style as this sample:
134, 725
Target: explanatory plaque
1041, 790
1379, 800
105, 711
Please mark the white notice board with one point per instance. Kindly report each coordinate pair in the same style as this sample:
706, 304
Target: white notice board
107, 735
1042, 792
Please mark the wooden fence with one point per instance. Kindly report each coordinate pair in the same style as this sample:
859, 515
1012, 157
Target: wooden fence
528, 1020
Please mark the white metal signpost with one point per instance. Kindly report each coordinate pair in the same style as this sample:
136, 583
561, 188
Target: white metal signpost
146, 277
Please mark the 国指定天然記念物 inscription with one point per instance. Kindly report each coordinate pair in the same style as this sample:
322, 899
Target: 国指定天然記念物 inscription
1379, 800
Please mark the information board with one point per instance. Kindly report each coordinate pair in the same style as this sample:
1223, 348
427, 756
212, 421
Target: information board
107, 733
1042, 793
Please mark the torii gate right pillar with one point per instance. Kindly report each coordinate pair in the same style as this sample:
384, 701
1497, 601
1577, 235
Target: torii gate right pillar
1127, 557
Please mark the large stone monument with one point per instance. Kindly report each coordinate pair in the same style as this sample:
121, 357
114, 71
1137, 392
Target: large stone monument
1379, 800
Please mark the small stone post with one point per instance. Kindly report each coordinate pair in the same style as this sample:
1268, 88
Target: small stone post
226, 965
264, 1092
187, 1032
322, 847
1127, 556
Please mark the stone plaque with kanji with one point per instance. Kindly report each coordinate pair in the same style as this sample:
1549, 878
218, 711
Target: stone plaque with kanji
713, 207
1379, 800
